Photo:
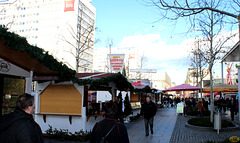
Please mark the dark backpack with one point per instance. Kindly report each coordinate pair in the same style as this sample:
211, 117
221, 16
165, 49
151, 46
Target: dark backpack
103, 138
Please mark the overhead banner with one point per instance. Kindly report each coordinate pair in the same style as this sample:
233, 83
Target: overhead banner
116, 62
69, 5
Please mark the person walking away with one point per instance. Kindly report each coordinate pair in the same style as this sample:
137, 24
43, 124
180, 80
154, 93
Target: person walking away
232, 106
109, 129
119, 104
200, 108
205, 104
148, 110
19, 126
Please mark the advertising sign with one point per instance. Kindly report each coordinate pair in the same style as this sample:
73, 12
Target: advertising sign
69, 5
179, 108
116, 62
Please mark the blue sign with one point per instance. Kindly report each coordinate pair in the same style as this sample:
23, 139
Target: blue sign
4, 0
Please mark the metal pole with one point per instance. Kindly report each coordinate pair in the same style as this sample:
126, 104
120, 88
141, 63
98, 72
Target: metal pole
238, 93
222, 71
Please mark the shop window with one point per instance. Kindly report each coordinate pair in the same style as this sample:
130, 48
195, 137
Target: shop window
12, 88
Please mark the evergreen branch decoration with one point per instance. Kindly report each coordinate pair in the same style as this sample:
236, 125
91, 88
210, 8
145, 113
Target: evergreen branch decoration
19, 43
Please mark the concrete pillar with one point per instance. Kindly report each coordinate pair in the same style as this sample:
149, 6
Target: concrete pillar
238, 92
28, 84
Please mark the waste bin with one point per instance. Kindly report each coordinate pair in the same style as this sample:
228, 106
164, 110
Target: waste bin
217, 121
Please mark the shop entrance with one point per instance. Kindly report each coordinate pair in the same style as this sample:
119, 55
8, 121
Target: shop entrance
10, 88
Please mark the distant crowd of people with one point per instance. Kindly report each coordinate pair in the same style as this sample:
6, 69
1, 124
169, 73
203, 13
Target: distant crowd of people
201, 104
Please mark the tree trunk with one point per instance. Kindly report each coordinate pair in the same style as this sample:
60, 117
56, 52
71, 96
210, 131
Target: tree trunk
210, 69
211, 95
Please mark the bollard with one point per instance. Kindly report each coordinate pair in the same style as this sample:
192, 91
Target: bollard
217, 122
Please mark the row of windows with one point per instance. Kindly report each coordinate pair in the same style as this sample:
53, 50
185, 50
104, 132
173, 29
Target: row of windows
81, 5
84, 15
22, 23
23, 15
24, 8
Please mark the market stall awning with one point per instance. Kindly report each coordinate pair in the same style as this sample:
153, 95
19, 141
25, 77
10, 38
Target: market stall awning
183, 87
24, 60
222, 88
16, 50
138, 85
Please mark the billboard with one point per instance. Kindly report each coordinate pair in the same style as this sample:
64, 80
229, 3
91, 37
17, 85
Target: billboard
116, 62
69, 5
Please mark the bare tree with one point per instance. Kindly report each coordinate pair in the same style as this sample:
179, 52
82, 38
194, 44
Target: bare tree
190, 9
207, 15
198, 62
210, 25
83, 36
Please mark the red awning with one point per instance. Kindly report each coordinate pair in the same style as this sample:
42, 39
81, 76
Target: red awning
207, 94
138, 85
183, 87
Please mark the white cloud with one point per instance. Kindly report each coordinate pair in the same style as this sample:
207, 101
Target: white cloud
160, 56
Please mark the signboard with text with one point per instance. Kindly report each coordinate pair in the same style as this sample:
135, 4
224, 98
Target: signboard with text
116, 62
69, 5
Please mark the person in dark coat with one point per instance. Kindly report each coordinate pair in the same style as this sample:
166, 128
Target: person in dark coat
148, 110
232, 106
118, 134
19, 126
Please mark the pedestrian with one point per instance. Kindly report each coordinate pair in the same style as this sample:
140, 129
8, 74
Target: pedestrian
205, 104
148, 110
119, 104
232, 106
109, 129
200, 108
19, 126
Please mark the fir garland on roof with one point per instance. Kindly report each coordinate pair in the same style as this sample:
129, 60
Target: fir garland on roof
121, 81
17, 42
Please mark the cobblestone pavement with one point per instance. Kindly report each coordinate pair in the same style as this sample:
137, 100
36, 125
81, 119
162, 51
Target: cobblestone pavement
182, 134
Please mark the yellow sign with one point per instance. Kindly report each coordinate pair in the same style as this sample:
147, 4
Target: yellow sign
234, 139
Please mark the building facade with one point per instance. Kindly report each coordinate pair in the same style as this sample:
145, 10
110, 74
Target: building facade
64, 29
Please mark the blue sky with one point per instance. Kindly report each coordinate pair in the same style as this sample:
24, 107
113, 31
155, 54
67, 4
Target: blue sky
118, 19
129, 23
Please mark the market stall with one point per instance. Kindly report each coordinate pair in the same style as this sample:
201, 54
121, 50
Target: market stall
75, 106
19, 62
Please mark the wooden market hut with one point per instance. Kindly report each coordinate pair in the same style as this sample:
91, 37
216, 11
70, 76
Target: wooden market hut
61, 95
19, 63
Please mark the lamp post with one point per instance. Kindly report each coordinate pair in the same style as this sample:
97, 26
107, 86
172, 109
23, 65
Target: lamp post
238, 67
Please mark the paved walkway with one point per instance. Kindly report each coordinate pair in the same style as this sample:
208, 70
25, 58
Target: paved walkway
163, 126
164, 123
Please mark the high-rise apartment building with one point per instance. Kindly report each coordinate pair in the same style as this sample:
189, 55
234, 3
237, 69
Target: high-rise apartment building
64, 28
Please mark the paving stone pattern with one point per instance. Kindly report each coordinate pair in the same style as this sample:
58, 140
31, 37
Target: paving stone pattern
182, 134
